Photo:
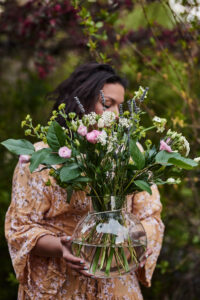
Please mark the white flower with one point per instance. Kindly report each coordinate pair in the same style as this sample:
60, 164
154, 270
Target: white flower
100, 123
140, 92
108, 118
102, 138
171, 180
197, 159
124, 122
91, 118
159, 123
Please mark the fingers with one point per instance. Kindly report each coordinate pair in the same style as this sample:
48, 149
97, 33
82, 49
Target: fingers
146, 255
66, 240
81, 269
76, 263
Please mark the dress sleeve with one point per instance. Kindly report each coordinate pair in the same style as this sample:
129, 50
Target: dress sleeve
148, 209
24, 223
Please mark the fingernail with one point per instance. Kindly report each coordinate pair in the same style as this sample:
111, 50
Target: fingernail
81, 262
147, 255
68, 238
141, 265
93, 277
85, 268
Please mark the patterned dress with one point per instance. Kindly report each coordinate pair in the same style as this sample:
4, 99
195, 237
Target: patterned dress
37, 210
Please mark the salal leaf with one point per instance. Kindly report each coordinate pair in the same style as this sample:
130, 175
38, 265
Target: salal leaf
163, 156
69, 193
136, 155
38, 158
143, 185
69, 172
54, 159
55, 136
19, 147
182, 162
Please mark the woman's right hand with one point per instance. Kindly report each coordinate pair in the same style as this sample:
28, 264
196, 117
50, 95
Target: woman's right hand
72, 261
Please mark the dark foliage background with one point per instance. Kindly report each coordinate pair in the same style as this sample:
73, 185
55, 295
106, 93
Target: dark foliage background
151, 44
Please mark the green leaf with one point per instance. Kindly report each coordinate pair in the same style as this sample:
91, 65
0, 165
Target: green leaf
19, 146
38, 157
82, 179
136, 155
69, 172
69, 193
184, 163
163, 156
143, 185
55, 136
54, 159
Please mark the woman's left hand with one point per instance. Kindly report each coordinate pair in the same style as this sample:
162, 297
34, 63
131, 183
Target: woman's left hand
146, 255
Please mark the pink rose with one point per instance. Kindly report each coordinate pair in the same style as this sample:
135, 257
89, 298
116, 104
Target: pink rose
24, 159
82, 130
164, 146
92, 136
65, 152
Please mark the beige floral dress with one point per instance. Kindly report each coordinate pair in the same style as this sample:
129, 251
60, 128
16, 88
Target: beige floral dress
37, 209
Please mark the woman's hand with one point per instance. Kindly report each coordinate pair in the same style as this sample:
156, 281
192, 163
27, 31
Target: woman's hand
146, 255
72, 261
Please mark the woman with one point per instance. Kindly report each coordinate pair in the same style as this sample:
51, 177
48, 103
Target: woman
39, 222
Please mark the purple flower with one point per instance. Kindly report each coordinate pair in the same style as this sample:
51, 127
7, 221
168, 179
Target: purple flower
165, 146
65, 152
82, 130
24, 159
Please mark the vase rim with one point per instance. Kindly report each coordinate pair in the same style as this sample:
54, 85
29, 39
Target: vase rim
106, 211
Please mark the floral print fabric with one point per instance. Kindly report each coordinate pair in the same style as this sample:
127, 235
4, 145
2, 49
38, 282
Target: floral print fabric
37, 209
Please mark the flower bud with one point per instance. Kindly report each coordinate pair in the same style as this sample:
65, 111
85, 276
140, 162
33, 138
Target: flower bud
72, 115
23, 123
61, 106
28, 132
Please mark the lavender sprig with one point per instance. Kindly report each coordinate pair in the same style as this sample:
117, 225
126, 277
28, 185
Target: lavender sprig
121, 109
103, 99
79, 105
144, 94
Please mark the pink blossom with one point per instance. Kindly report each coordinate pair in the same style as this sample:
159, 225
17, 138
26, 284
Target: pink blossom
65, 152
82, 130
164, 146
24, 159
92, 136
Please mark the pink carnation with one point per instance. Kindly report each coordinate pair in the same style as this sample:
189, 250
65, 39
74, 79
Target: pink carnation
164, 146
24, 159
82, 130
65, 152
92, 136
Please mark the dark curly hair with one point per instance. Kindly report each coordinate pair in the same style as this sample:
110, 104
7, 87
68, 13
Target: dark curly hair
85, 83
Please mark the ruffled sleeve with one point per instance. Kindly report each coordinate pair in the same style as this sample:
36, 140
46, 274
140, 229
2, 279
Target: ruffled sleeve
148, 209
24, 223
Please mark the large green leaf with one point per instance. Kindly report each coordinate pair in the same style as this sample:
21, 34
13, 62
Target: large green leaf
19, 146
136, 155
55, 136
54, 159
38, 157
69, 172
143, 185
163, 156
182, 162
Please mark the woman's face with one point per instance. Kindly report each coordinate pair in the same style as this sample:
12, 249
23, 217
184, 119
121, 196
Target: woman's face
114, 96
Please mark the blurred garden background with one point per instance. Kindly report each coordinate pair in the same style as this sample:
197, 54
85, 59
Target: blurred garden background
150, 43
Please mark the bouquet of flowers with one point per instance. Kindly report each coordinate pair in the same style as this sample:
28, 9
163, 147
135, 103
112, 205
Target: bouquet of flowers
101, 155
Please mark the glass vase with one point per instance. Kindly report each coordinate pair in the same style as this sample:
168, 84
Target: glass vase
112, 243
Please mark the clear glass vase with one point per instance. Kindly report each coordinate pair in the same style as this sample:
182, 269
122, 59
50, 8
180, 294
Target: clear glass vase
112, 243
